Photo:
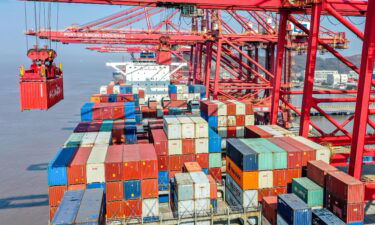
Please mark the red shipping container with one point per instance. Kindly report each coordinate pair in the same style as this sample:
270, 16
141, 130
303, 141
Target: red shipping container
317, 171
265, 192
52, 211
188, 146
256, 132
231, 132
369, 191
187, 158
113, 163
348, 212
149, 161
209, 108
216, 174
125, 98
77, 168
104, 98
115, 210
56, 193
132, 165
275, 191
96, 111
177, 104
118, 111
160, 141
293, 173
150, 188
41, 95
191, 167
248, 107
280, 178
307, 152
231, 108
240, 121
347, 187
163, 162
172, 173
106, 111
114, 191
294, 154
269, 208
202, 159
213, 187
76, 187
141, 93
175, 163
133, 208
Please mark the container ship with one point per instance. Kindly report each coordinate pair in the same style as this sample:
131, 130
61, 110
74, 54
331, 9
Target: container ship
198, 129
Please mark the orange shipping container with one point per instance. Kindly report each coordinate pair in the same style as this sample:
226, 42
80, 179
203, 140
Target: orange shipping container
280, 178
113, 163
150, 188
114, 191
188, 146
246, 180
191, 167
77, 168
115, 210
213, 187
133, 208
56, 193
52, 211
293, 173
76, 187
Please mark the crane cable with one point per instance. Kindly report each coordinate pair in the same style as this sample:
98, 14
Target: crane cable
26, 36
36, 24
57, 20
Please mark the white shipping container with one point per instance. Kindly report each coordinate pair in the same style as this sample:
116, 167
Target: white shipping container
231, 122
221, 108
222, 121
240, 131
322, 153
150, 207
185, 188
95, 164
201, 185
116, 89
194, 96
185, 96
247, 199
175, 147
88, 139
185, 208
240, 107
201, 127
265, 179
201, 145
103, 89
187, 127
172, 127
269, 129
249, 120
282, 130
104, 137
222, 132
202, 206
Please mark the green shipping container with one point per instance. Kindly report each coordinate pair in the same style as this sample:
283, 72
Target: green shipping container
74, 140
107, 125
265, 156
308, 191
280, 156
214, 160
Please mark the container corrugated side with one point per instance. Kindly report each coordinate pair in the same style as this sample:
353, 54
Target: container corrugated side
325, 217
244, 157
91, 210
74, 140
104, 137
172, 127
317, 171
67, 211
57, 168
88, 140
187, 127
184, 188
150, 207
201, 185
347, 187
311, 193
280, 156
322, 152
265, 157
214, 160
247, 198
201, 127
95, 164
293, 210
246, 180
77, 167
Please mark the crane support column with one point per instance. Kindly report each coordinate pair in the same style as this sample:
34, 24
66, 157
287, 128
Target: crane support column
196, 61
200, 53
307, 100
363, 96
207, 68
217, 68
279, 66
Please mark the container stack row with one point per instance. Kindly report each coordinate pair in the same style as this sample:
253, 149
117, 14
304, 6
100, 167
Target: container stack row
186, 92
228, 118
110, 111
123, 89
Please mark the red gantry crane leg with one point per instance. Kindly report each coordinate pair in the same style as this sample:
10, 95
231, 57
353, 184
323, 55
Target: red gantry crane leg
363, 96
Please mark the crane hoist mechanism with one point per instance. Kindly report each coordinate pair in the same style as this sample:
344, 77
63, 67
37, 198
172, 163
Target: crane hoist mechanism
164, 54
41, 86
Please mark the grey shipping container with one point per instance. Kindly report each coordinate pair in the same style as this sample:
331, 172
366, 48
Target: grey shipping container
91, 211
68, 208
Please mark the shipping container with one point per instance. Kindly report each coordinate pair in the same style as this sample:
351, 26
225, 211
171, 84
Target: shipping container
160, 141
115, 210
293, 173
247, 198
175, 147
317, 171
163, 181
104, 137
201, 145
214, 160
265, 179
77, 168
81, 127
172, 127
132, 190
343, 185
74, 140
232, 201
188, 146
114, 191
163, 163
185, 208
293, 210
131, 159
114, 164
269, 209
325, 217
280, 178
91, 210
246, 180
184, 188
214, 141
201, 127
202, 206
55, 194
294, 155
188, 158
307, 152
264, 156
244, 157
150, 208
279, 155
149, 161
149, 188
88, 139
68, 208
175, 163
57, 168
95, 172
76, 187
187, 127
202, 159
322, 153
348, 212
201, 185
216, 174
311, 193
191, 167
256, 132
133, 208
213, 187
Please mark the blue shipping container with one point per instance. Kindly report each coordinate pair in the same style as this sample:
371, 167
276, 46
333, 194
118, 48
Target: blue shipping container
130, 135
132, 189
138, 118
86, 112
68, 208
243, 156
214, 142
213, 121
57, 168
163, 180
172, 89
325, 217
129, 110
163, 198
91, 210
96, 185
293, 210
112, 98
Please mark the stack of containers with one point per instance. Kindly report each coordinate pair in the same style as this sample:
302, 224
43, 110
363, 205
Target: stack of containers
198, 88
192, 194
132, 182
292, 210
228, 118
182, 93
108, 111
266, 131
256, 168
81, 207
